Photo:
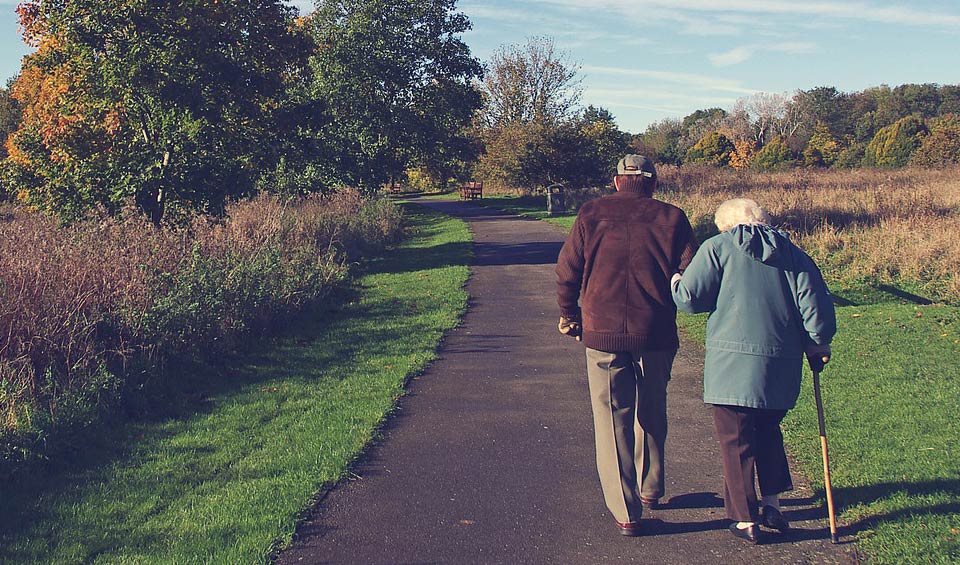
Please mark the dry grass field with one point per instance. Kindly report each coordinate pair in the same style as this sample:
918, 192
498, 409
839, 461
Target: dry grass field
864, 225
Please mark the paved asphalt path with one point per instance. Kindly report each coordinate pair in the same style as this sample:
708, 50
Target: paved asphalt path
490, 457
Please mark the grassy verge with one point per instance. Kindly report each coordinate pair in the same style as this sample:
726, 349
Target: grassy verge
892, 395
221, 472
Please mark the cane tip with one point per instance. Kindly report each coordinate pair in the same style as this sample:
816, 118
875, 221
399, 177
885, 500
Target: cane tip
834, 538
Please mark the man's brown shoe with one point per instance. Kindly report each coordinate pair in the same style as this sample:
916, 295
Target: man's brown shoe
629, 529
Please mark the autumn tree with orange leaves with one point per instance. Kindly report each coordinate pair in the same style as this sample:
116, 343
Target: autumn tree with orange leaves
173, 105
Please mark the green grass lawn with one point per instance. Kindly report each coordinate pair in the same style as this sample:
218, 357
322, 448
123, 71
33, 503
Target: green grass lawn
222, 470
892, 404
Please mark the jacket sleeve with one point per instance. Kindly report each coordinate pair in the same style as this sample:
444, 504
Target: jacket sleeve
699, 287
569, 271
689, 248
815, 303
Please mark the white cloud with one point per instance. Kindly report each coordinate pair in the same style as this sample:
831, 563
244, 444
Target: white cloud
744, 53
734, 56
665, 97
700, 82
793, 48
862, 11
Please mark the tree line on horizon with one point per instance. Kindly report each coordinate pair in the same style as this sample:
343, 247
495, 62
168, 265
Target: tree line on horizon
911, 124
186, 108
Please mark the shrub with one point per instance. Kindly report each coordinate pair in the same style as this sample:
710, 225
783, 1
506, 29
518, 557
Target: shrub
79, 304
823, 149
893, 145
714, 148
942, 146
774, 155
419, 179
850, 157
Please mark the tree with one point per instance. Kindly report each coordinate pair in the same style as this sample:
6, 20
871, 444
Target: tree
579, 152
397, 80
530, 83
949, 99
761, 115
605, 145
9, 116
894, 144
851, 156
169, 105
775, 155
715, 149
661, 142
699, 124
823, 149
823, 104
742, 155
921, 99
530, 131
942, 146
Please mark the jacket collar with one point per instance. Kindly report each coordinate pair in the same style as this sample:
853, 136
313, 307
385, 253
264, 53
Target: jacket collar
631, 194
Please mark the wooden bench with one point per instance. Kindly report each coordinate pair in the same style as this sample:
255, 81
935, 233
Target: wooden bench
394, 188
471, 191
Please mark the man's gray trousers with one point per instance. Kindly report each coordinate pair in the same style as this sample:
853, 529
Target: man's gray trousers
628, 391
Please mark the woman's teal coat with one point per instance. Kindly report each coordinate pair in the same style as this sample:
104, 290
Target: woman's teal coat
767, 302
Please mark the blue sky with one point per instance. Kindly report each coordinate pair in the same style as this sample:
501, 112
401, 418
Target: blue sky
645, 60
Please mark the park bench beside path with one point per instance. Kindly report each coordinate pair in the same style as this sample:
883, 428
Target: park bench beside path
490, 458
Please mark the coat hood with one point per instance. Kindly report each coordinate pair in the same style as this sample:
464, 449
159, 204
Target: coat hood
762, 243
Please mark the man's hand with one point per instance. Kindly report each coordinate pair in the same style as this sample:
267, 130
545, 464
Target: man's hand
571, 328
817, 356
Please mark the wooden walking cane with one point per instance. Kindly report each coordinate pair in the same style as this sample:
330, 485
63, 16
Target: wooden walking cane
826, 459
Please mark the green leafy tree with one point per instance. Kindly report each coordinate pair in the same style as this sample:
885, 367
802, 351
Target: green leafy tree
9, 116
714, 149
851, 156
775, 155
823, 149
397, 81
921, 99
942, 146
605, 145
894, 144
530, 133
168, 104
661, 142
949, 99
700, 123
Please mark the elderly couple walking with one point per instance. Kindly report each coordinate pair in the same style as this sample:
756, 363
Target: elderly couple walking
629, 263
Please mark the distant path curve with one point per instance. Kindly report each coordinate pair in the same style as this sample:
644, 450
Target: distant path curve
490, 457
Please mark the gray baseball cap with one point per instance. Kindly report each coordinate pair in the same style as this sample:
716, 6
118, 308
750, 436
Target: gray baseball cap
636, 165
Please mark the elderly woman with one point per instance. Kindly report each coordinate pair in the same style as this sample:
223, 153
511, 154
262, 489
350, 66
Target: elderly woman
768, 306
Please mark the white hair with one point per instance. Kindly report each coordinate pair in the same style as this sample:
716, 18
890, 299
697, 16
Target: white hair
740, 211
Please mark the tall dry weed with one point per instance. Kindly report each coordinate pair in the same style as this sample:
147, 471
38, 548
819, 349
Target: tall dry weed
886, 226
78, 303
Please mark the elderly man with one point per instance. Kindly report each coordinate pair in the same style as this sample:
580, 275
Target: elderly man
617, 262
768, 306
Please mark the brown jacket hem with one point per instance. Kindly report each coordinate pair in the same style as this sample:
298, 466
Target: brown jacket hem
615, 343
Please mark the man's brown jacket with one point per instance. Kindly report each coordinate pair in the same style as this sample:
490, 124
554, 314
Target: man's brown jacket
617, 261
